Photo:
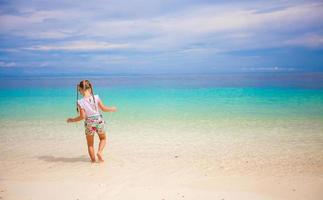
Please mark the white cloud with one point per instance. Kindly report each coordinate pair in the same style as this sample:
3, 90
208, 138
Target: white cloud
242, 27
25, 20
79, 46
309, 40
48, 24
110, 59
274, 68
7, 64
221, 27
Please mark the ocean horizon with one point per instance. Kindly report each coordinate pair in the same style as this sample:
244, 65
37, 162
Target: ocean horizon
305, 80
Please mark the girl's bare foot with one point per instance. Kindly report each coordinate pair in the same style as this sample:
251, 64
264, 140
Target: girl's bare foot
100, 157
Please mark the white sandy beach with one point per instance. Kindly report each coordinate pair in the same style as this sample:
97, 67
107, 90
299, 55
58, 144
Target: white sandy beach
148, 164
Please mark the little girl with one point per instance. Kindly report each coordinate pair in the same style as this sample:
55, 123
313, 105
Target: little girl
88, 109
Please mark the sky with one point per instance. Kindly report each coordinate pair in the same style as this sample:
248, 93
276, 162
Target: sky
140, 36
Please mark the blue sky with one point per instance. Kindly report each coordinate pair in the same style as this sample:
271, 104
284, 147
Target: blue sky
182, 36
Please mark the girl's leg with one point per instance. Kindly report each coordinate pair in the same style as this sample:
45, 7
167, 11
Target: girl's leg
90, 142
101, 145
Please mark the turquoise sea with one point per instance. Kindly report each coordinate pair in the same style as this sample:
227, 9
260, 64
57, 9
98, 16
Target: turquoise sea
172, 97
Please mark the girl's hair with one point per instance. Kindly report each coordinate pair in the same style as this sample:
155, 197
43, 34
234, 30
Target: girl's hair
84, 85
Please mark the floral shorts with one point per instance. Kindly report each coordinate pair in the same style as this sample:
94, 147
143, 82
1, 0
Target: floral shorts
94, 124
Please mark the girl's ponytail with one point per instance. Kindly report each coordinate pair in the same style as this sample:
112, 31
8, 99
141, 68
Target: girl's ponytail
92, 95
77, 97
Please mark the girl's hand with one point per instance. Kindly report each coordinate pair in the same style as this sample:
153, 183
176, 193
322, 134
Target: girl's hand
113, 109
69, 120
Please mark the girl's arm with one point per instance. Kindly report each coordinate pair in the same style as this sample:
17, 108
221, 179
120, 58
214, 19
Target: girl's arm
106, 108
78, 118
